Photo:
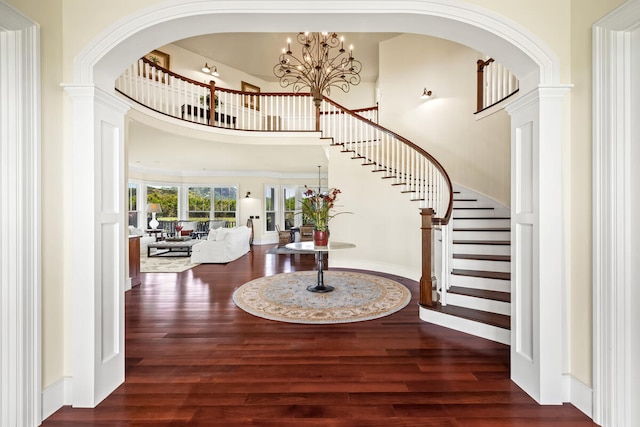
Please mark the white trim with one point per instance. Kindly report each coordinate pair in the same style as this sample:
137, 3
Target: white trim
612, 281
20, 212
56, 396
578, 394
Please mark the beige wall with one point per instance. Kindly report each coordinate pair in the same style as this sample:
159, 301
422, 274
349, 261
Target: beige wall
68, 26
475, 153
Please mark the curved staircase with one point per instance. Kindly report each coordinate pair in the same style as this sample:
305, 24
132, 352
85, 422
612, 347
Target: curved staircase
478, 300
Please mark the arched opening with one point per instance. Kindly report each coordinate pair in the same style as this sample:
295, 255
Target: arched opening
536, 144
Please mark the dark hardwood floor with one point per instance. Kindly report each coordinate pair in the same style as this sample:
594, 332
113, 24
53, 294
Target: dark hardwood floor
194, 358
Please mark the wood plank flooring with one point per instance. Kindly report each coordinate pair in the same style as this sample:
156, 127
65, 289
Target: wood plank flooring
195, 359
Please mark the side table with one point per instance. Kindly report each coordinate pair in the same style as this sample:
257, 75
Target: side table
320, 250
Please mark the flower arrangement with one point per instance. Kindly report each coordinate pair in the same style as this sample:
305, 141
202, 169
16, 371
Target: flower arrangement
316, 206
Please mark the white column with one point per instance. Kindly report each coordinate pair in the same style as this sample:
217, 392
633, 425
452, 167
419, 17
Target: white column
537, 249
98, 272
20, 261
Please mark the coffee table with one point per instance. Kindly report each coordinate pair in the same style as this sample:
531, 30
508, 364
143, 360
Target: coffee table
181, 248
320, 250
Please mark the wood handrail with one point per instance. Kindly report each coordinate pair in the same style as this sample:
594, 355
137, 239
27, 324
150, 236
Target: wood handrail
441, 220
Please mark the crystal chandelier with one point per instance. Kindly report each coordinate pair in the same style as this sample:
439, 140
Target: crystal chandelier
323, 63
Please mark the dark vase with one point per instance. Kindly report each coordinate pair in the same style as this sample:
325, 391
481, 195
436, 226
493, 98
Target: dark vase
321, 237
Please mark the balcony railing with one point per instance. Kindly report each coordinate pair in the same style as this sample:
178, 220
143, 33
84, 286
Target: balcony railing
494, 83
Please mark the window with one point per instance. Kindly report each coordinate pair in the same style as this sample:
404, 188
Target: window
270, 208
199, 203
225, 200
289, 200
133, 204
168, 199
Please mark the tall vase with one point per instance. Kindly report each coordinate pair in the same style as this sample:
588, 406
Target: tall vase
321, 237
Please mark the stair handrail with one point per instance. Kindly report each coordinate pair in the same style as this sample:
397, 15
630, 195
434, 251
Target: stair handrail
331, 129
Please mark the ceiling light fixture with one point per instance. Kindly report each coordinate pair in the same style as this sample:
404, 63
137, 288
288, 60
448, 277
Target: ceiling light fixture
323, 63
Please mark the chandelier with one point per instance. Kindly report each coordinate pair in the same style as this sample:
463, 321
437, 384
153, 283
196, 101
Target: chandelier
323, 63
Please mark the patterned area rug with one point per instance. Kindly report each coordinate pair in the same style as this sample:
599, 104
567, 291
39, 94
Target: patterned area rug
357, 297
287, 251
164, 264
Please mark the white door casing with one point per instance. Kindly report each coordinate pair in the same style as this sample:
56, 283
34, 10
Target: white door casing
20, 213
102, 60
616, 82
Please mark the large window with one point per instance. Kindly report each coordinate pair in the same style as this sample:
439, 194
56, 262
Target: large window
289, 200
199, 203
225, 200
133, 204
168, 199
270, 208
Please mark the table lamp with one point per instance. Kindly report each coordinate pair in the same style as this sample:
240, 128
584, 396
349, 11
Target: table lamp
153, 208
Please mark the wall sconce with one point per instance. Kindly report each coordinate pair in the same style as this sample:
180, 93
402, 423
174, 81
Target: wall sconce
248, 194
426, 94
213, 70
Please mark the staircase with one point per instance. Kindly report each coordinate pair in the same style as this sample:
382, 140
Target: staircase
479, 299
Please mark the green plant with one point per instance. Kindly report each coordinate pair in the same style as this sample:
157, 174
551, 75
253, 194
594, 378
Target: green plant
204, 100
317, 207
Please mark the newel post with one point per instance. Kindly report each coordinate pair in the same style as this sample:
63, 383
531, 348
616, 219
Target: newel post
212, 102
426, 281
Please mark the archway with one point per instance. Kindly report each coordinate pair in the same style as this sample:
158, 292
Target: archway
536, 144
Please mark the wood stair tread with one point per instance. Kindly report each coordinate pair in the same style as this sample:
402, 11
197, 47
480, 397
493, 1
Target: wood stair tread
483, 229
493, 319
482, 217
482, 274
481, 293
481, 242
481, 257
474, 209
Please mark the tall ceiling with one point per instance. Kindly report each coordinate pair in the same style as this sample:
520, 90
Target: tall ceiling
151, 148
257, 53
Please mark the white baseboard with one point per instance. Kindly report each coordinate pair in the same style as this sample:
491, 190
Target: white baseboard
56, 396
578, 394
397, 270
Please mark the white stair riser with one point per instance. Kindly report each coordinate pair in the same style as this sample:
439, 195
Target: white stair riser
481, 265
465, 203
481, 283
481, 223
489, 332
482, 249
482, 235
472, 213
483, 304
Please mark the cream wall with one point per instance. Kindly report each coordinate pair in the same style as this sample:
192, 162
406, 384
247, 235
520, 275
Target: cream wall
68, 26
475, 152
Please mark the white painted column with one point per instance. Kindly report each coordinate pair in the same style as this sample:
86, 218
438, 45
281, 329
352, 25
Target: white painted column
537, 249
98, 273
616, 340
20, 210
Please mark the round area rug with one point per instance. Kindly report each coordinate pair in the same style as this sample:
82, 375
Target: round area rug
357, 297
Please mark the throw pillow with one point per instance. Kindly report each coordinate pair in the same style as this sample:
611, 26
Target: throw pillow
213, 233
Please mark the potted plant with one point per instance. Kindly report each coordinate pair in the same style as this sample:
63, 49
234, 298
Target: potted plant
317, 206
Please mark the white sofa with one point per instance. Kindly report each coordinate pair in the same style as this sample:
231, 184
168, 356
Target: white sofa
222, 245
145, 239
